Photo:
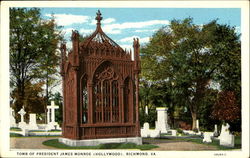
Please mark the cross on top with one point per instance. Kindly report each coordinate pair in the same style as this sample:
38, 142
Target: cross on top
22, 112
53, 106
98, 17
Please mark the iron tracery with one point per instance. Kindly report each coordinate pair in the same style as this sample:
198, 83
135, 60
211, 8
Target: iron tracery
100, 88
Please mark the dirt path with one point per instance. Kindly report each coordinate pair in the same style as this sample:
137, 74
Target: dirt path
30, 143
166, 145
183, 146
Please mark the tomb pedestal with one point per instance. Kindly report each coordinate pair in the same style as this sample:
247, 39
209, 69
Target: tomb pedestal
94, 142
162, 120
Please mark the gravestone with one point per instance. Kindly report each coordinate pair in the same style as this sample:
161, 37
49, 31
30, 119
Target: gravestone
146, 110
215, 131
12, 118
207, 137
226, 139
22, 124
174, 132
32, 122
152, 133
145, 130
197, 125
162, 120
51, 123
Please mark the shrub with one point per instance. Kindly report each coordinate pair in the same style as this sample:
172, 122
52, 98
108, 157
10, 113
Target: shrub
179, 130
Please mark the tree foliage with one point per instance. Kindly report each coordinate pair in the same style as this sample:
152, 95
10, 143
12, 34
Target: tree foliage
33, 56
226, 108
189, 57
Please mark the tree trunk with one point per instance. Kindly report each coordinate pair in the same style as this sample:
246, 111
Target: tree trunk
194, 118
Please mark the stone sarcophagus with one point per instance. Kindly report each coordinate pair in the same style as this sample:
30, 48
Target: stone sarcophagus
100, 88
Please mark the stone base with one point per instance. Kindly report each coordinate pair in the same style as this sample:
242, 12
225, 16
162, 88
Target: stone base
94, 142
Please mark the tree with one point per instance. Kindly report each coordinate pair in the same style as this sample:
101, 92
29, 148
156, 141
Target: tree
189, 57
33, 42
33, 97
226, 109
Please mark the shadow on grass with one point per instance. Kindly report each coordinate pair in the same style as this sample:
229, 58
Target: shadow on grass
55, 143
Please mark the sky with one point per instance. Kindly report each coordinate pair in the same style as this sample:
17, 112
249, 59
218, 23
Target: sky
123, 24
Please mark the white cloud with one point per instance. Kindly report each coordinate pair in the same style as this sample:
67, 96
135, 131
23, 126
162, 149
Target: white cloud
131, 39
146, 30
108, 20
86, 31
111, 31
69, 19
128, 25
105, 21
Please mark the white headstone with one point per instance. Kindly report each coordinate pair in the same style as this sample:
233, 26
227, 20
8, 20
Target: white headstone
207, 137
51, 123
226, 139
216, 130
22, 124
12, 118
162, 120
146, 110
152, 133
174, 132
32, 122
146, 126
197, 125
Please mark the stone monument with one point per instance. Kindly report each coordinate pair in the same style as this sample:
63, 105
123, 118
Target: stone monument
51, 123
12, 118
207, 137
215, 131
226, 139
32, 122
197, 125
162, 120
100, 90
22, 124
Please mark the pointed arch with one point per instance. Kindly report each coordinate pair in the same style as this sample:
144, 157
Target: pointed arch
84, 98
106, 91
127, 98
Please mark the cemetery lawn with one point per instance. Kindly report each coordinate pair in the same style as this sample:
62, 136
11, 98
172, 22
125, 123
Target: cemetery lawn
15, 129
215, 142
16, 135
55, 143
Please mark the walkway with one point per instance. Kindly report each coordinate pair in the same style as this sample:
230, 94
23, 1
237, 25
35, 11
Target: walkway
164, 145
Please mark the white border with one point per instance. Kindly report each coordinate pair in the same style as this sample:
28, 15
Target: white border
4, 65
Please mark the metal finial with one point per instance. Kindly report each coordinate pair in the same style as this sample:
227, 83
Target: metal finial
98, 17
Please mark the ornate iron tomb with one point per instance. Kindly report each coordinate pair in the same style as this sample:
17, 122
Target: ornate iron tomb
100, 91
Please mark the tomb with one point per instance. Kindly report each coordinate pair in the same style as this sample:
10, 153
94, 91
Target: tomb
51, 123
32, 122
22, 124
162, 119
100, 91
226, 139
12, 118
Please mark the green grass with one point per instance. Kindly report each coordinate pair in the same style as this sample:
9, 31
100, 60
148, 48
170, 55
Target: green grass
44, 131
15, 129
215, 143
15, 135
19, 135
57, 144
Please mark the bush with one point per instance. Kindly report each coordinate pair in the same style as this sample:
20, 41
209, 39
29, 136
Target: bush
196, 130
179, 130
